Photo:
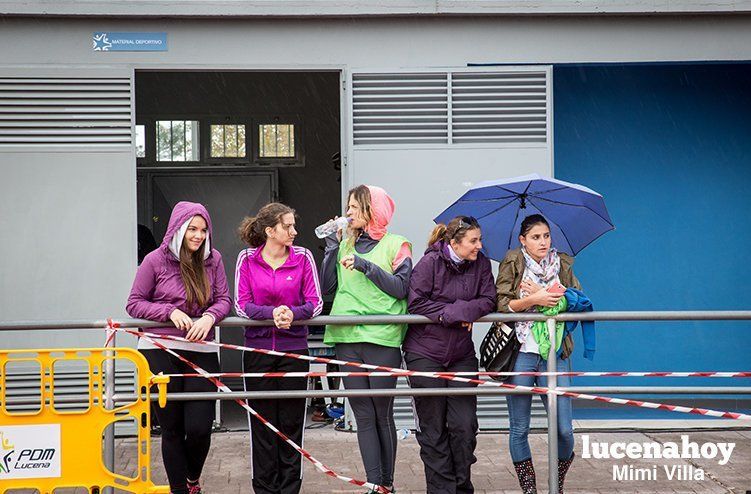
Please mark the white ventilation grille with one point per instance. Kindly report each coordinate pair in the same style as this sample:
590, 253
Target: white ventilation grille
500, 107
400, 108
92, 112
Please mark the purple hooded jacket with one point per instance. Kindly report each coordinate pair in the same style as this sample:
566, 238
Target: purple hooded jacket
158, 288
448, 294
259, 289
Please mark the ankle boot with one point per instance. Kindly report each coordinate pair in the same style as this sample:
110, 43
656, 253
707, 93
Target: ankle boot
526, 473
563, 466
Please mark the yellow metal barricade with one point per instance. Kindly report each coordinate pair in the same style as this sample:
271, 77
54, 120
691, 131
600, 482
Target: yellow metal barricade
55, 445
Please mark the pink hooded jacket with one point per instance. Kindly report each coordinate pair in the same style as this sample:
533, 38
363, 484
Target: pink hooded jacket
158, 288
381, 211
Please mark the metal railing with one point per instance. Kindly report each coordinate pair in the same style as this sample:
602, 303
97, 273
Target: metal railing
111, 399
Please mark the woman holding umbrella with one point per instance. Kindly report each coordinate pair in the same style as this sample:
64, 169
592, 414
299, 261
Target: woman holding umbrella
531, 210
528, 278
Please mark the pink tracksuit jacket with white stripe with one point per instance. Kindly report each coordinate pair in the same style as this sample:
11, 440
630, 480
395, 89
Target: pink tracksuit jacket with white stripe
259, 289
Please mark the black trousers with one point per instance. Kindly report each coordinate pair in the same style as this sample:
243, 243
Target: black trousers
446, 427
276, 468
186, 425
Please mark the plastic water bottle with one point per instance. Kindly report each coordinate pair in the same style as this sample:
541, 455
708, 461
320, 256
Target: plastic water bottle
331, 226
402, 434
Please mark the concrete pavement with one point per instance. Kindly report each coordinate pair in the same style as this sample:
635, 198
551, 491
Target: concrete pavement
227, 467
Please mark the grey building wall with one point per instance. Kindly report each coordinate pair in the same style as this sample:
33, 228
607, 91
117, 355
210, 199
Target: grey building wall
70, 243
388, 42
71, 214
337, 8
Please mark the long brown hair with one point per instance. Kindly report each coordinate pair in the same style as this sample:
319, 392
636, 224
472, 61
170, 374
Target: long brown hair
361, 194
252, 229
456, 229
197, 288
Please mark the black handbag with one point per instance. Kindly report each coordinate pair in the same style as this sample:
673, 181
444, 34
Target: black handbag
499, 349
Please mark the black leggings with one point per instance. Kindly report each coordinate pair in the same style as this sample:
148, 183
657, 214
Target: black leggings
186, 425
376, 431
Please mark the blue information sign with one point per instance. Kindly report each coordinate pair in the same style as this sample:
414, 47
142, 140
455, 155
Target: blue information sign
107, 41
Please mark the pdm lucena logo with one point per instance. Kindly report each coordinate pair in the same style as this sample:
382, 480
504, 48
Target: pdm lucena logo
30, 451
6, 453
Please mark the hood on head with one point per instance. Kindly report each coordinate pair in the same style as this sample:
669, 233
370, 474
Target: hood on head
381, 211
182, 214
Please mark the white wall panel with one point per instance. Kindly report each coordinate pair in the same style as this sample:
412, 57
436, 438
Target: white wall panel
423, 182
426, 170
69, 241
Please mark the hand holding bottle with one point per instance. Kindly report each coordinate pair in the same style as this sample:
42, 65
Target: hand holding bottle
335, 225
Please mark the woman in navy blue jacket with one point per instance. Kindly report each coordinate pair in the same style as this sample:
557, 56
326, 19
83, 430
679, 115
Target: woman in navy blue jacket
453, 286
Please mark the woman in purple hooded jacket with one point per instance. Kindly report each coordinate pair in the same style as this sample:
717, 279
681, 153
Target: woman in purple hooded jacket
181, 280
276, 280
453, 286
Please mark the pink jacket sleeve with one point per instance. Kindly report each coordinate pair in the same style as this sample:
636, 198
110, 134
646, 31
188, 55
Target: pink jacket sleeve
245, 305
140, 303
220, 291
311, 287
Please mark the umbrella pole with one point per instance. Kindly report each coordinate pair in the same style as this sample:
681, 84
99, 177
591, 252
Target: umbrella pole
552, 411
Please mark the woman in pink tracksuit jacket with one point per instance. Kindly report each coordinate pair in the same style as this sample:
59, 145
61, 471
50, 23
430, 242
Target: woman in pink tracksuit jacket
181, 280
276, 280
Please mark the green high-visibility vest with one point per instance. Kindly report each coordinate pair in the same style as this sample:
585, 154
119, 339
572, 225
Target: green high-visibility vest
356, 295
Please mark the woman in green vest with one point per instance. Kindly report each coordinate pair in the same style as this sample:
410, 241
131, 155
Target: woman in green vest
369, 271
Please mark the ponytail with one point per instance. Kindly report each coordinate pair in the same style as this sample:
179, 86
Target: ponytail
456, 229
248, 232
438, 233
252, 229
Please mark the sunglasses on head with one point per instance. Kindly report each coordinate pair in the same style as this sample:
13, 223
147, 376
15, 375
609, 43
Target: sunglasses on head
466, 222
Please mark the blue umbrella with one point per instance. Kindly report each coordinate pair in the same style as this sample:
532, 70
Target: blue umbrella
577, 215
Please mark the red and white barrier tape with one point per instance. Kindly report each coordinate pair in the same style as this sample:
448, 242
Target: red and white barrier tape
404, 373
535, 390
320, 466
111, 327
